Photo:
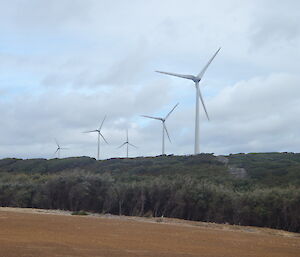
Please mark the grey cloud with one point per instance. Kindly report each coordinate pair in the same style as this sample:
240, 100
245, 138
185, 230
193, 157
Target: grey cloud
39, 119
90, 58
276, 25
257, 115
254, 115
128, 69
277, 30
34, 14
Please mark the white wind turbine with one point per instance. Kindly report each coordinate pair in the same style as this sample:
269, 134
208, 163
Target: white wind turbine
127, 144
59, 148
99, 135
164, 128
196, 80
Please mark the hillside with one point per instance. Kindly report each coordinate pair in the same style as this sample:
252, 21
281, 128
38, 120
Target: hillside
261, 189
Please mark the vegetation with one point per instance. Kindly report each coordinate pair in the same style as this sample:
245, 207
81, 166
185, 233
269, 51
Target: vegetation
188, 187
79, 213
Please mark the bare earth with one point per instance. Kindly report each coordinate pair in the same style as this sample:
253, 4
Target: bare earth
35, 233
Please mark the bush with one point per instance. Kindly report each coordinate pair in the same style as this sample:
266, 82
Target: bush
79, 213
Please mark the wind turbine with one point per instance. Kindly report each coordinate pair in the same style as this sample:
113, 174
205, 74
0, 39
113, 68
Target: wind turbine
127, 144
164, 128
99, 134
58, 149
196, 80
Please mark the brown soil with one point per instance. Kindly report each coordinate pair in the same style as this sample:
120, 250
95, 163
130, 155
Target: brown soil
35, 233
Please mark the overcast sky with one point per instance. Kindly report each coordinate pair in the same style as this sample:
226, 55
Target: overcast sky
65, 64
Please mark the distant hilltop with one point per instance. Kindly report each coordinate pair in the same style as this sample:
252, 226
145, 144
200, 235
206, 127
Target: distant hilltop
271, 165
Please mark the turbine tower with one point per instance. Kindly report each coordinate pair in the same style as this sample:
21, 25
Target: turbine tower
164, 128
196, 80
99, 135
127, 144
58, 149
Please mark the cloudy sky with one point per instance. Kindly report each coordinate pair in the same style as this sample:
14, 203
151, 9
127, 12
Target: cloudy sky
65, 64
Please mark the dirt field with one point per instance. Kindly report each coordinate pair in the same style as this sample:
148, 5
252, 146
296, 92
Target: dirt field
36, 233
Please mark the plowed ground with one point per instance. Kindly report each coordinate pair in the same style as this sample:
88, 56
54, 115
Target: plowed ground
37, 233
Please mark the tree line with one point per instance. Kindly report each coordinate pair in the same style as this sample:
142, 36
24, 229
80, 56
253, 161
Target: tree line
191, 187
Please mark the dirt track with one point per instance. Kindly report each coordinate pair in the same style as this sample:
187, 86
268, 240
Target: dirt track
34, 233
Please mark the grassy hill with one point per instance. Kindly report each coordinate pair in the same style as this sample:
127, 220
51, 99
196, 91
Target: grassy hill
200, 187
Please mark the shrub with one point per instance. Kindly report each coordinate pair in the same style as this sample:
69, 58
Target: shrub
79, 213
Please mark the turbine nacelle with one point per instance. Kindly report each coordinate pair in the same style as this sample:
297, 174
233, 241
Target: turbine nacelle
196, 80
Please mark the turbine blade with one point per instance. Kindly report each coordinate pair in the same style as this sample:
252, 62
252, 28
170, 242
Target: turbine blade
150, 117
56, 150
56, 142
103, 138
167, 132
177, 75
133, 145
171, 111
89, 131
102, 123
201, 98
122, 145
200, 75
127, 134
